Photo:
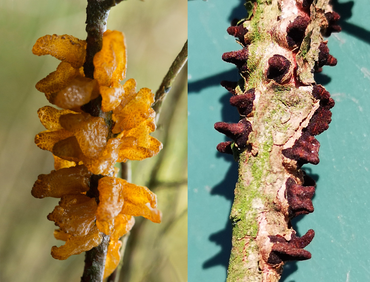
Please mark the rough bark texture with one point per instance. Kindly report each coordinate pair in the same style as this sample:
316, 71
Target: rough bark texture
281, 109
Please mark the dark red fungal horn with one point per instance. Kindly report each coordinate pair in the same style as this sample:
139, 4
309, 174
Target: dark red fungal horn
225, 147
324, 57
244, 102
278, 68
296, 31
319, 121
332, 18
299, 198
322, 117
230, 86
238, 31
239, 132
283, 250
238, 58
320, 92
305, 150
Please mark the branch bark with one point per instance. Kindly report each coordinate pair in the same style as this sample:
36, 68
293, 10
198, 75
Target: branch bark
281, 109
169, 78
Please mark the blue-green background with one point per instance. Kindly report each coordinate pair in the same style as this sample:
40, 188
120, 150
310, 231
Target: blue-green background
341, 247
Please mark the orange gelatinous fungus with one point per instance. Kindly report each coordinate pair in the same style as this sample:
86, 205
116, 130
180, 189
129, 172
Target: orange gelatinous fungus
140, 201
135, 112
77, 92
123, 223
110, 203
60, 163
46, 140
130, 93
75, 214
111, 96
68, 149
110, 63
57, 80
113, 257
146, 146
82, 145
117, 97
61, 235
49, 117
104, 163
66, 48
137, 153
77, 244
73, 180
90, 132
141, 132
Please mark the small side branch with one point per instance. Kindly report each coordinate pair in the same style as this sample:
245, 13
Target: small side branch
170, 77
95, 261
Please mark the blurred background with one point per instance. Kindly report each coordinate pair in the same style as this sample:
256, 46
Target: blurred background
155, 33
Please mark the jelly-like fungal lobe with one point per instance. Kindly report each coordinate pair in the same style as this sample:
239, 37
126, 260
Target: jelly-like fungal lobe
73, 180
123, 223
60, 163
113, 258
90, 132
77, 244
68, 149
79, 91
104, 163
75, 214
111, 96
49, 117
140, 201
110, 203
281, 110
137, 110
46, 140
57, 80
110, 62
66, 48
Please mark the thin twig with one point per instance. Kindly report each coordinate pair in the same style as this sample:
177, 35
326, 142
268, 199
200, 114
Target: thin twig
96, 20
170, 77
160, 158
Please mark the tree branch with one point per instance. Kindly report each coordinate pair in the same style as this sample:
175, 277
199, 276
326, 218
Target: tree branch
170, 77
96, 20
